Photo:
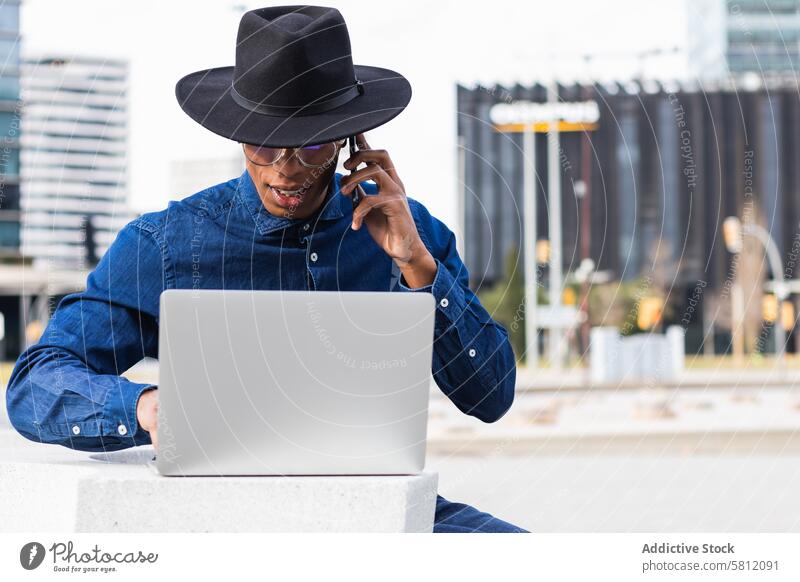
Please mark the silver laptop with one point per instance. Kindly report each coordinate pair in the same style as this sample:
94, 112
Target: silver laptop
293, 382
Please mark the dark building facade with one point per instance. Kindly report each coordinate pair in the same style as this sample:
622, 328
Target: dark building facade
664, 166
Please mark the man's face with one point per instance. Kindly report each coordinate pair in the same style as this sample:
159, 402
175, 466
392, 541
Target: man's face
288, 187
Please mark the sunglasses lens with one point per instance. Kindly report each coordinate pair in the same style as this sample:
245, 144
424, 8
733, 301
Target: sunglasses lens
262, 154
317, 155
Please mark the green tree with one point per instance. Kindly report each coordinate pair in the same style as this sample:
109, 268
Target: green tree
505, 301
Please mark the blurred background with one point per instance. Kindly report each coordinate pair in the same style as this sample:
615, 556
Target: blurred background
624, 182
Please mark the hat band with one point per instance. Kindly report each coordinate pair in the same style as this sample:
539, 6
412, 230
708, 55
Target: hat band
282, 110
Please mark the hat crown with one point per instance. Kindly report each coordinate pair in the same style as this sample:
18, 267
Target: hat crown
293, 57
293, 83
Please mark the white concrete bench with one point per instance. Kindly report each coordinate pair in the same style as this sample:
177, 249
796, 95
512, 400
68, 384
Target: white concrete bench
49, 488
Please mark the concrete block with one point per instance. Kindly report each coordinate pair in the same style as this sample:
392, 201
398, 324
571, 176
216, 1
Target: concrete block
122, 492
605, 354
676, 338
648, 357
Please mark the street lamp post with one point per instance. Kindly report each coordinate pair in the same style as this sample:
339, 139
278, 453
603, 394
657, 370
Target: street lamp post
733, 230
529, 219
554, 201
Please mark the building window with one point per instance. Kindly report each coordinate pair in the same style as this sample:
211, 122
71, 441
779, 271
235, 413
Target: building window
9, 18
9, 233
9, 87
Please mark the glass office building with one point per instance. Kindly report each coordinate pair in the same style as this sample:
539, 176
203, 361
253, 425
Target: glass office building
10, 112
10, 115
74, 155
735, 36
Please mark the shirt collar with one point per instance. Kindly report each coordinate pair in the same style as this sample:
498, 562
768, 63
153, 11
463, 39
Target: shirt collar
332, 207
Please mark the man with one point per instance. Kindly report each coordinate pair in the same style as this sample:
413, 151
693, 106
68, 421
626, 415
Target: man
288, 222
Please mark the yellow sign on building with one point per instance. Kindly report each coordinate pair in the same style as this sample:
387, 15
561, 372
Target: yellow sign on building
539, 117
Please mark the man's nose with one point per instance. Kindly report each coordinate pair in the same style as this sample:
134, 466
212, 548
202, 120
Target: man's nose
289, 165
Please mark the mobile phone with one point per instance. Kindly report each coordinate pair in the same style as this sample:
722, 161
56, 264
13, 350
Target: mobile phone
357, 191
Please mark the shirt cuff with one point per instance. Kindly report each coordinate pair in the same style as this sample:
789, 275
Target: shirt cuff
116, 421
449, 295
119, 413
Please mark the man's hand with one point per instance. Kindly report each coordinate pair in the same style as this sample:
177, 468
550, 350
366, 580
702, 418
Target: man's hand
388, 215
147, 413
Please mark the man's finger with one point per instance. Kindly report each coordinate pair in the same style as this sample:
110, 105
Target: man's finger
361, 142
379, 157
387, 163
373, 172
372, 157
364, 207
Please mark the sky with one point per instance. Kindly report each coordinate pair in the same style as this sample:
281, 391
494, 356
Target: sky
434, 44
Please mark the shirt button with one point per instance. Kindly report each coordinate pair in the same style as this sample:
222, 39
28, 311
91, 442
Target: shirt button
305, 227
313, 257
76, 429
472, 352
444, 302
122, 429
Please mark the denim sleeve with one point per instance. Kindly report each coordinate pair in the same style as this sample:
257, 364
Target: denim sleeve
473, 362
66, 389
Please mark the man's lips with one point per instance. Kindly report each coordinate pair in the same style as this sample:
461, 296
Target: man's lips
288, 196
288, 189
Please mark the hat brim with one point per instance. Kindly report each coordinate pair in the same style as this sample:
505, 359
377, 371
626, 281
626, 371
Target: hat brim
205, 97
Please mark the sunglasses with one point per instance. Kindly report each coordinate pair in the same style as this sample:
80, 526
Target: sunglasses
315, 156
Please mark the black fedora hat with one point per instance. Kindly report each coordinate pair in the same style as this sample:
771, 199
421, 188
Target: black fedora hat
293, 84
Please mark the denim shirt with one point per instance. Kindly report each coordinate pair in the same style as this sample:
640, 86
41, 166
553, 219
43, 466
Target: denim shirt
66, 389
